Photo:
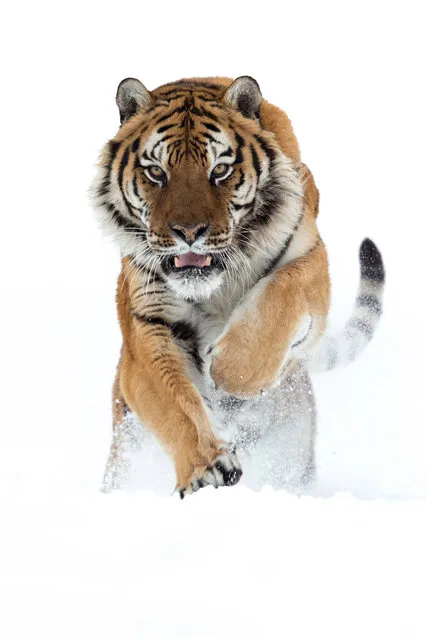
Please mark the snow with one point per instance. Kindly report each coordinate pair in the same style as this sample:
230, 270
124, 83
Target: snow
348, 560
228, 564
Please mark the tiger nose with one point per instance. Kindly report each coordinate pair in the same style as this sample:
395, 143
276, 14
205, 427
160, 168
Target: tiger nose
189, 232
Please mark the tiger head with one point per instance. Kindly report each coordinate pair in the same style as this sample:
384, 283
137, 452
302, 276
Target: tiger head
191, 180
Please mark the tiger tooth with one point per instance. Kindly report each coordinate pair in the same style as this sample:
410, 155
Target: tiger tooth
208, 260
176, 262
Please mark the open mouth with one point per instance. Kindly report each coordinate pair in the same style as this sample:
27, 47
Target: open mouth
189, 260
191, 263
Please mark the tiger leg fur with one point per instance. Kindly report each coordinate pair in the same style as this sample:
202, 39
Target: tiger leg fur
127, 436
159, 384
281, 316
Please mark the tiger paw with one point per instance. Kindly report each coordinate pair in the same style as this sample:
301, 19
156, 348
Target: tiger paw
225, 470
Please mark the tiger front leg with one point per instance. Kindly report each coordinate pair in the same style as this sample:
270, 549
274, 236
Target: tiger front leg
251, 354
156, 386
282, 315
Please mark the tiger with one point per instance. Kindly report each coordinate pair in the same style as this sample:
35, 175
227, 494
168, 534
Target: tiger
224, 290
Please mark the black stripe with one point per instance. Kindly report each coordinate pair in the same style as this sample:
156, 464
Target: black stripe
208, 136
193, 83
113, 148
255, 157
300, 341
209, 114
118, 218
147, 319
229, 402
273, 194
135, 188
227, 153
135, 145
238, 207
198, 360
183, 330
211, 127
167, 99
180, 330
285, 247
370, 302
156, 291
153, 307
105, 184
123, 164
172, 113
171, 93
165, 127
366, 329
167, 137
265, 148
241, 181
154, 147
240, 145
372, 267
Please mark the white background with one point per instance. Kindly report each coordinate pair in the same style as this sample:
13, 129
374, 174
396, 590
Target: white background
351, 77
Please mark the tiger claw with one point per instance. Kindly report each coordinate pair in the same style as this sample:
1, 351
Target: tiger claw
225, 471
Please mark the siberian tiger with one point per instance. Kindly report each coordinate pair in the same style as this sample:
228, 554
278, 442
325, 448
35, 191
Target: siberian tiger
224, 290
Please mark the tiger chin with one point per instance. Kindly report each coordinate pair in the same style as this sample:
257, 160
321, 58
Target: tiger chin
224, 290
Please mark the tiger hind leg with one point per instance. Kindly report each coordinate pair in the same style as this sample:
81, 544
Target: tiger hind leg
283, 456
126, 436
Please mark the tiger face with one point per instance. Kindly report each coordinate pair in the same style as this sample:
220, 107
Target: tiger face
189, 177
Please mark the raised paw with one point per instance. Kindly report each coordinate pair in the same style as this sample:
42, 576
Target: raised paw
224, 471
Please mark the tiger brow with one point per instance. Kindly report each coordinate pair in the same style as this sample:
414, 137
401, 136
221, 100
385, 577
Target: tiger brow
211, 127
165, 127
227, 153
147, 157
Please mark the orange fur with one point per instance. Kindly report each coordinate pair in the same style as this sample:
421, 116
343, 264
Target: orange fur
155, 386
265, 333
152, 376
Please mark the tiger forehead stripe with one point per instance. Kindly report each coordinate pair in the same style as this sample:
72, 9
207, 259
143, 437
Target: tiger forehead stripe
206, 133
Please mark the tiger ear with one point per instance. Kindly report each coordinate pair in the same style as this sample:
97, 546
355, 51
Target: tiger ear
131, 97
244, 95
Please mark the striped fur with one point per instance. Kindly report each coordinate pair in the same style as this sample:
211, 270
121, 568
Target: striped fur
224, 276
187, 129
342, 348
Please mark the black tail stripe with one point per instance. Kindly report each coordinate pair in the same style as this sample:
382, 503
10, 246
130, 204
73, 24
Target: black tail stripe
366, 329
370, 302
371, 262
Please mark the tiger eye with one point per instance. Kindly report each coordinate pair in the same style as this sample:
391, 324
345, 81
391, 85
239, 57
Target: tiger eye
156, 171
220, 170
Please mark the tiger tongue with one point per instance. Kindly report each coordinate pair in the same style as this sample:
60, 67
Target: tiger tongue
191, 259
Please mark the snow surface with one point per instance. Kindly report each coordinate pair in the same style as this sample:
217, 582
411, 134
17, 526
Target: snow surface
347, 562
